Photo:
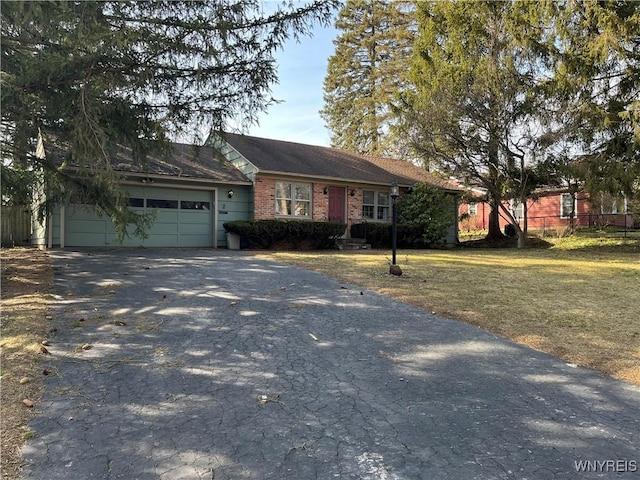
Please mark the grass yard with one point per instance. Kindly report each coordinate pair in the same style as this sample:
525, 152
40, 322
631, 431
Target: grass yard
27, 283
578, 300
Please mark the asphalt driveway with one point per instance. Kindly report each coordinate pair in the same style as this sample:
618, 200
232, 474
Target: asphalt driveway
200, 364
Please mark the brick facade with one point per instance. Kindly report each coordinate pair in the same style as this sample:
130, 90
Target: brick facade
354, 207
265, 201
264, 198
319, 203
542, 213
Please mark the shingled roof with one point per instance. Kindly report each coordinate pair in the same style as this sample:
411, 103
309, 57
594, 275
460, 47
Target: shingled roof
179, 160
276, 156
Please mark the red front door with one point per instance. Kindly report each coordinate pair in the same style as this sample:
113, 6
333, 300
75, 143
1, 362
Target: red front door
337, 197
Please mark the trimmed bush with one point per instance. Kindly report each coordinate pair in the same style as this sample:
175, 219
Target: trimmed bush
287, 234
378, 235
428, 208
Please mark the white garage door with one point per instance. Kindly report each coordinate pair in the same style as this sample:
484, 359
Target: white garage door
184, 218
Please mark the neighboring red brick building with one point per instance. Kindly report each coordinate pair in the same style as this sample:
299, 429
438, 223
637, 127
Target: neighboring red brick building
551, 209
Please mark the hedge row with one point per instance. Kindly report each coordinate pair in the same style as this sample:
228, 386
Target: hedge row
378, 235
289, 234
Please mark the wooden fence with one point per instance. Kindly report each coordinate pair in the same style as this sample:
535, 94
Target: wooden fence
15, 225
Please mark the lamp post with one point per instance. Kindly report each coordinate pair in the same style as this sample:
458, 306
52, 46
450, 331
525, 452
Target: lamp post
395, 193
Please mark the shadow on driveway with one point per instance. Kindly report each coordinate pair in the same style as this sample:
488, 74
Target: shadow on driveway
194, 364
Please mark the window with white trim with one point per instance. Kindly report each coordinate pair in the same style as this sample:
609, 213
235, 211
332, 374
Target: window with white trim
375, 205
517, 210
567, 205
472, 209
293, 199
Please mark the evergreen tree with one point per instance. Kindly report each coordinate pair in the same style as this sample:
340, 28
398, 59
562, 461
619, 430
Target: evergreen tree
90, 74
367, 69
595, 60
473, 109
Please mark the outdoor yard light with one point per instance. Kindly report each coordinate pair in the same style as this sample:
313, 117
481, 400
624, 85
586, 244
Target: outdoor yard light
326, 190
352, 192
230, 193
395, 193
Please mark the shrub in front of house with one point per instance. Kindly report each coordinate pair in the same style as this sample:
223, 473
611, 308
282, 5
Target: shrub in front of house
424, 215
429, 210
287, 234
378, 235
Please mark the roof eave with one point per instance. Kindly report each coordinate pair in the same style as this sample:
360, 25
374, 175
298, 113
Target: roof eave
188, 179
330, 178
158, 176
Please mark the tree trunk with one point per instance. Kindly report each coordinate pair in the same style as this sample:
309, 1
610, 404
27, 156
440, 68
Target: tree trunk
522, 238
522, 232
494, 232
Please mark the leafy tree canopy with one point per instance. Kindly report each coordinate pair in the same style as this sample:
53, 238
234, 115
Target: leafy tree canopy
595, 86
472, 109
89, 74
507, 93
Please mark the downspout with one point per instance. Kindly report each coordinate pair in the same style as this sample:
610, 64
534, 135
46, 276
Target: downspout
214, 209
62, 226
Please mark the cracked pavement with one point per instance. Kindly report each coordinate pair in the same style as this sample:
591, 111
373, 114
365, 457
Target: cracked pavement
201, 364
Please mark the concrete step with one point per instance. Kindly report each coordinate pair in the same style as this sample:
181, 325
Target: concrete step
351, 240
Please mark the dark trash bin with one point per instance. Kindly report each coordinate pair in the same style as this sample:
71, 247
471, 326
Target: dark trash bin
510, 230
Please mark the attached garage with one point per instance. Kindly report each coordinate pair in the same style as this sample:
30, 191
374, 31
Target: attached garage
183, 218
188, 189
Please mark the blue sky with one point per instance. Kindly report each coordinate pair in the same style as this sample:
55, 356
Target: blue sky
301, 68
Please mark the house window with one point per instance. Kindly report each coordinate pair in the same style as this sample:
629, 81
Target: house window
293, 199
472, 209
157, 203
189, 205
517, 210
567, 206
375, 205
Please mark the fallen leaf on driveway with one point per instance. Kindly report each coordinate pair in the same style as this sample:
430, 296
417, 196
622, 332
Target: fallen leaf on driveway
266, 399
313, 336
